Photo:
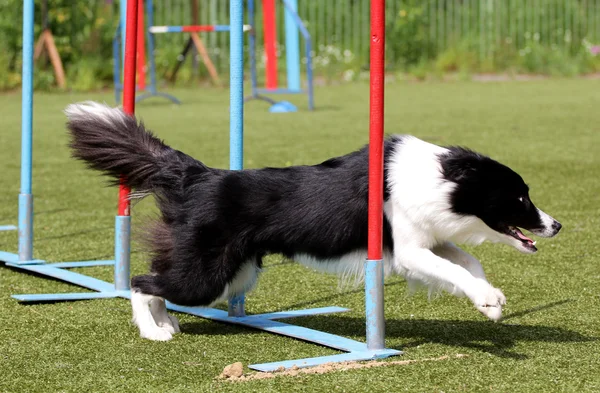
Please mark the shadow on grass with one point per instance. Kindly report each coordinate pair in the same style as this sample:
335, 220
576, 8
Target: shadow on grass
37, 213
536, 309
74, 234
498, 339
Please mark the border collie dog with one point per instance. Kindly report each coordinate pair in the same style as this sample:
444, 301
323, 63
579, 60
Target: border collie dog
216, 225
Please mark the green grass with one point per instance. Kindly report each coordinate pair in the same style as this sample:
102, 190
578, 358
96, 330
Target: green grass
548, 131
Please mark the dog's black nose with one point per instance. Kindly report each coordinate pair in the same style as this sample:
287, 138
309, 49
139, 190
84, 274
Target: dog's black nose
556, 226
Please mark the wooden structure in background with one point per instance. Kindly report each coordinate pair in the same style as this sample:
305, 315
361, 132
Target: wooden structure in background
46, 40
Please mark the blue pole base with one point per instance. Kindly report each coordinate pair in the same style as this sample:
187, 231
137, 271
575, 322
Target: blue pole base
375, 318
283, 107
25, 227
355, 350
122, 252
236, 306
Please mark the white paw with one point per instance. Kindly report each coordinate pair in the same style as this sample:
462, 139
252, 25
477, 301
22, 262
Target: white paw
501, 296
487, 299
172, 326
156, 334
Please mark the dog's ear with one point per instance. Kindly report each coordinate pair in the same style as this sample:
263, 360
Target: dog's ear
460, 164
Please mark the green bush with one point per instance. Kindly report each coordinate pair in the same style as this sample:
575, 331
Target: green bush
424, 38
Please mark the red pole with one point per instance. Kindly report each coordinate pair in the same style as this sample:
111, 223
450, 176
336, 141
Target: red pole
375, 242
270, 39
129, 85
141, 48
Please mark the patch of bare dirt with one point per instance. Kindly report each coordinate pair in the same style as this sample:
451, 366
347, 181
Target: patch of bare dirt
234, 372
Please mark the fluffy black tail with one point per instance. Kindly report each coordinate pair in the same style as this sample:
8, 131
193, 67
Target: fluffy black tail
112, 142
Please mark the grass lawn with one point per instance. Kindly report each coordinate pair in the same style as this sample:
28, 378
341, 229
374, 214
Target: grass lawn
549, 131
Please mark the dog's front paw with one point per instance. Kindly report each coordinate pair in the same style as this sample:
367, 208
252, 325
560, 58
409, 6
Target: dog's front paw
501, 296
156, 334
487, 299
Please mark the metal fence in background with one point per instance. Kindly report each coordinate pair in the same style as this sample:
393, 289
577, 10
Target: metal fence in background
416, 29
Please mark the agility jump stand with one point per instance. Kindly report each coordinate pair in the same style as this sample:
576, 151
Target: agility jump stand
151, 90
355, 350
24, 259
293, 25
119, 43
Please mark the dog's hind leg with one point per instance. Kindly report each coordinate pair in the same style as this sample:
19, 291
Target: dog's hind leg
142, 317
163, 320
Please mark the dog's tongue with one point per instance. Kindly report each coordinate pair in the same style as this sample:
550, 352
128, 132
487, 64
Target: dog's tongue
523, 237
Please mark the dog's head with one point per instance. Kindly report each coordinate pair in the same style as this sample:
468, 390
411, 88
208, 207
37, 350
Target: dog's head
498, 196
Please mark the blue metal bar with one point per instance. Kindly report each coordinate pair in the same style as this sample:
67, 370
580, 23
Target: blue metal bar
14, 258
311, 362
25, 197
66, 275
309, 75
117, 65
150, 46
252, 44
27, 97
302, 313
257, 322
236, 112
358, 350
54, 297
122, 25
9, 257
374, 304
7, 227
279, 91
122, 252
308, 44
65, 265
292, 43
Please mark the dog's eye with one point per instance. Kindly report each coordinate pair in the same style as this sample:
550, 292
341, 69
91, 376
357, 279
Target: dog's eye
521, 199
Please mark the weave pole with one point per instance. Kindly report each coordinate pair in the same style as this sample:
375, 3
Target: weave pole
25, 196
236, 111
270, 39
123, 219
374, 264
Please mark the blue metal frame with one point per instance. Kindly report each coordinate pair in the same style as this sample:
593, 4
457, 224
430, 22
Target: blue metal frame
373, 349
236, 109
292, 50
356, 350
374, 312
7, 228
293, 24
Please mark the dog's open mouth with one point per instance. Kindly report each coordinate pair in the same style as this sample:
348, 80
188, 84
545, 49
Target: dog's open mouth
517, 234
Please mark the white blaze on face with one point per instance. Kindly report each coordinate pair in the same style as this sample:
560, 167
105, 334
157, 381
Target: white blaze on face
549, 225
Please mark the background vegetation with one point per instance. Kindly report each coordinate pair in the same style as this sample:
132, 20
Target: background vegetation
424, 38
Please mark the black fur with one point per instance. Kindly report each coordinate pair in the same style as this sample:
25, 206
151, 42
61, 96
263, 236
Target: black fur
214, 221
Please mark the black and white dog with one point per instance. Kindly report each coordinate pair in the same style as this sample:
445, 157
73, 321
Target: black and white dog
216, 225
